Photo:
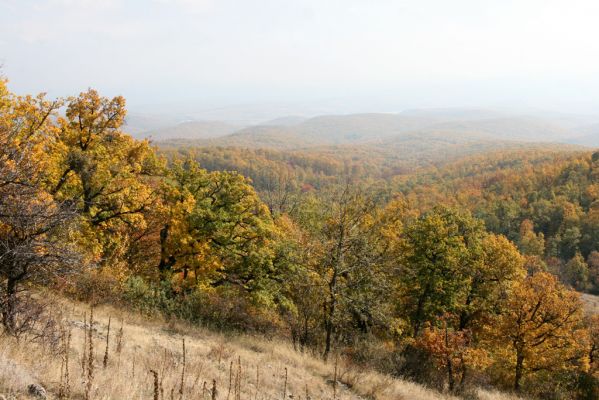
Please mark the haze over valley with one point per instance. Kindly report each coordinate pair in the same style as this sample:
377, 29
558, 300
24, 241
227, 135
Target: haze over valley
296, 131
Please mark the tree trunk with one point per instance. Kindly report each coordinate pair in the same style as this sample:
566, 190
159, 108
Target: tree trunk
294, 338
166, 260
420, 309
464, 373
330, 313
450, 377
9, 308
519, 369
304, 337
329, 327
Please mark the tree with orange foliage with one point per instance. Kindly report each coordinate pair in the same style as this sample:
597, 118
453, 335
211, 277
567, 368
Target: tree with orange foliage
593, 323
453, 350
540, 330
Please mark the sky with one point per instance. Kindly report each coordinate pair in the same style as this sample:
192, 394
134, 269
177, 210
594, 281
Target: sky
347, 55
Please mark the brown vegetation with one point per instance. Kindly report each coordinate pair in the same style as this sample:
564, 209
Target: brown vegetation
153, 366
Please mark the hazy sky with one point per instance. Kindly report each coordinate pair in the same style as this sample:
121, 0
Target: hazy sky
373, 54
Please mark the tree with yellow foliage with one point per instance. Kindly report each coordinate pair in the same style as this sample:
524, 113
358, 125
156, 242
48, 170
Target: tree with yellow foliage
593, 323
540, 330
31, 248
104, 172
530, 243
453, 279
216, 230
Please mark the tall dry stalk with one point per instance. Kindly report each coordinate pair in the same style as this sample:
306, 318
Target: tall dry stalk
182, 373
230, 379
64, 390
335, 377
213, 394
133, 364
119, 339
163, 368
204, 390
90, 358
285, 385
84, 352
105, 362
156, 385
221, 349
158, 388
257, 380
119, 345
238, 380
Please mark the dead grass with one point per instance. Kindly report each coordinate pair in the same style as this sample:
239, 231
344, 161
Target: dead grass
153, 345
591, 303
495, 395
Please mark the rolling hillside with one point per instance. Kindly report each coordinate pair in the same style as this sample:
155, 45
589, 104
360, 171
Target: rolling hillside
327, 130
382, 158
192, 130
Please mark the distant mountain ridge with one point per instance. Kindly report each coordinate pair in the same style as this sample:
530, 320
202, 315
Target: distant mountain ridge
589, 136
193, 130
375, 128
294, 132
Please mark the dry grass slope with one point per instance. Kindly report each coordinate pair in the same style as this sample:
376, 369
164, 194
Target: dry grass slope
152, 365
591, 303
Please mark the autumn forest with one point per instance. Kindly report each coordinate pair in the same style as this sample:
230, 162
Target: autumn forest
451, 273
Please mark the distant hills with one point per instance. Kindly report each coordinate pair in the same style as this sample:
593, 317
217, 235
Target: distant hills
193, 130
589, 137
296, 132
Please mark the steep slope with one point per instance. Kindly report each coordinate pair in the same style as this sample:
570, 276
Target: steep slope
239, 367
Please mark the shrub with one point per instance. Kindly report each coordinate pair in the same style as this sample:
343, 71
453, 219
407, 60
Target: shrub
227, 307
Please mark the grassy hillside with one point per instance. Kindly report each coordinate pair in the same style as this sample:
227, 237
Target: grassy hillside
150, 344
592, 303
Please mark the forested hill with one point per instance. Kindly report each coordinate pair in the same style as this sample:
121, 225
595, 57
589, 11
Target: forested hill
363, 128
546, 191
546, 202
320, 165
